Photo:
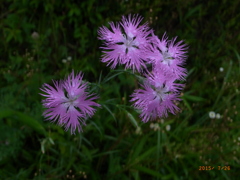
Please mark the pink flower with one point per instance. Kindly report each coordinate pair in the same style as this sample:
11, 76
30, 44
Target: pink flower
168, 55
127, 43
157, 96
69, 103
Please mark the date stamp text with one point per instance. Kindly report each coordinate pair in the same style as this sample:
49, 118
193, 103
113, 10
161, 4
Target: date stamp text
209, 168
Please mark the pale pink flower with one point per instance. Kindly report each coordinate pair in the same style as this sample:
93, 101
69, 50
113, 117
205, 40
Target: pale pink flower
69, 103
168, 55
157, 96
126, 43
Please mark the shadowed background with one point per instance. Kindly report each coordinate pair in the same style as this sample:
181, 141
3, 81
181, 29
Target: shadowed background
45, 41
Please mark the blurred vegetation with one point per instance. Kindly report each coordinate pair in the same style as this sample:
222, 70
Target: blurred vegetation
41, 41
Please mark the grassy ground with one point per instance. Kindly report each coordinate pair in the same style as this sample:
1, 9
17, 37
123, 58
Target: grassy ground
37, 37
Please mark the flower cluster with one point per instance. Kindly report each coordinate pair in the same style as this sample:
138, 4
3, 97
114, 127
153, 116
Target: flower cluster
134, 46
69, 103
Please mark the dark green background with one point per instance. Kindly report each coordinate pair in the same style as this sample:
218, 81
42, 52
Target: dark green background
109, 148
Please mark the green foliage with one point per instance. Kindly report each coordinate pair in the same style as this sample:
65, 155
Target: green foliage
37, 40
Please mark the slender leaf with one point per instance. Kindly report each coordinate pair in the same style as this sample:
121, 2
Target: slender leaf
132, 119
103, 105
193, 98
25, 119
152, 172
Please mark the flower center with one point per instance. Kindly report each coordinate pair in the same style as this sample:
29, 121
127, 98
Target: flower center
160, 92
167, 58
70, 101
128, 41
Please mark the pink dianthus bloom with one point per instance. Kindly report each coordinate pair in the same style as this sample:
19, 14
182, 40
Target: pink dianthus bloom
68, 103
157, 96
127, 43
168, 55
